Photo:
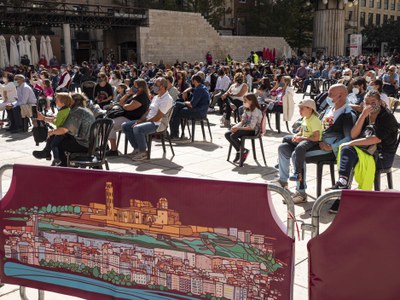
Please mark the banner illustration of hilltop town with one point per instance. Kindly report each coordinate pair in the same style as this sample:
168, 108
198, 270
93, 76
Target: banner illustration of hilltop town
144, 250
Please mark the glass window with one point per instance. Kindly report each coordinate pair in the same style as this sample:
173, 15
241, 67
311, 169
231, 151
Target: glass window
386, 4
370, 19
371, 3
363, 3
393, 5
378, 3
385, 18
378, 20
362, 19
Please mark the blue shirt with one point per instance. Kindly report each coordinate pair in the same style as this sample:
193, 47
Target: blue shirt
200, 99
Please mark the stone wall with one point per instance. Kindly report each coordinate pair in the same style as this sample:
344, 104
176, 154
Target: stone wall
186, 36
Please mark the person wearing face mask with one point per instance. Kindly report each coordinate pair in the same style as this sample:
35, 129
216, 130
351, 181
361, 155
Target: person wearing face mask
375, 126
221, 87
377, 86
390, 81
359, 91
21, 106
195, 108
8, 91
233, 97
347, 80
301, 75
134, 105
370, 77
137, 131
103, 91
248, 126
64, 80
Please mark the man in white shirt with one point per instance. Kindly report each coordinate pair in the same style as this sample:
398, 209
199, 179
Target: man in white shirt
223, 83
64, 81
137, 131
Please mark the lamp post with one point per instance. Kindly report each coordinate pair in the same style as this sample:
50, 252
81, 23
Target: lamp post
329, 25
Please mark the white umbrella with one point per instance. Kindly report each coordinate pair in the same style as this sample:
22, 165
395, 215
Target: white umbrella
4, 61
15, 59
34, 52
21, 46
43, 48
27, 44
49, 48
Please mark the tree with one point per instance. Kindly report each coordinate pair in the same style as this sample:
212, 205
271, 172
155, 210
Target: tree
388, 32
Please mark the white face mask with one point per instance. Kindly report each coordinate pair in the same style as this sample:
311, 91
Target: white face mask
347, 78
368, 78
356, 91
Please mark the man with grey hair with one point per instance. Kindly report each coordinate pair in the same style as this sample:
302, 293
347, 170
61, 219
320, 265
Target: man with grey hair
25, 98
137, 131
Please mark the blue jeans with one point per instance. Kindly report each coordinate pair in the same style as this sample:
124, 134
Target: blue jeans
54, 143
137, 135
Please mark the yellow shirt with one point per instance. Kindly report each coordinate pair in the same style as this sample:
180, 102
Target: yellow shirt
310, 125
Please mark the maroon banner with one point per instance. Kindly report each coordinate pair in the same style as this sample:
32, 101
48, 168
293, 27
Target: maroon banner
357, 257
117, 235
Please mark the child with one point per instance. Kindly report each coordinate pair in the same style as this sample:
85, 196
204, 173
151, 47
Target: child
250, 125
63, 103
309, 135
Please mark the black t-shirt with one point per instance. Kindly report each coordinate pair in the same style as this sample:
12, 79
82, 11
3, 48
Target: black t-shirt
103, 91
138, 112
386, 128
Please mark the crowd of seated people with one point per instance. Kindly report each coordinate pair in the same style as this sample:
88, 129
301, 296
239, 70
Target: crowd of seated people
137, 97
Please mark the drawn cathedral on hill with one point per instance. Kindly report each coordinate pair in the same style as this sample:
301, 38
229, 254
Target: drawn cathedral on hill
141, 216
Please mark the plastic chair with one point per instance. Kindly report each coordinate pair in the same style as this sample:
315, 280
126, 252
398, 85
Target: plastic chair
259, 136
95, 157
388, 172
87, 88
194, 120
327, 84
320, 161
315, 85
162, 131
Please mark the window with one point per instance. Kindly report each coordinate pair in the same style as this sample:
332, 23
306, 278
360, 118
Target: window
392, 18
378, 3
363, 3
386, 4
370, 19
385, 18
393, 5
362, 19
378, 20
371, 3
350, 15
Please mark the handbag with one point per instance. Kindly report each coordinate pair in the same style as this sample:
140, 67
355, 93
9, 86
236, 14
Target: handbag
115, 112
368, 132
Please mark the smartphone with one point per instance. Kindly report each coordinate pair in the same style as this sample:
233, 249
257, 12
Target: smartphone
34, 112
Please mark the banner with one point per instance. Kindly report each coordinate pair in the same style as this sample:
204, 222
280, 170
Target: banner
357, 257
108, 235
355, 44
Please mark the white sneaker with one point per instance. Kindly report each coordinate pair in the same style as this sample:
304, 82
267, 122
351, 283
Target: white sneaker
141, 155
299, 197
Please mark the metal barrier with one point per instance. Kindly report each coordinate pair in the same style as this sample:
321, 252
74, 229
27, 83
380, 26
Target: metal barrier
22, 289
290, 207
316, 212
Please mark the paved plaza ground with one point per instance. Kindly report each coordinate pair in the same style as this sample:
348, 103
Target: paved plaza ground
201, 159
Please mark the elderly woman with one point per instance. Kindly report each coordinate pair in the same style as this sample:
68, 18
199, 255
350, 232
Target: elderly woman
375, 126
134, 103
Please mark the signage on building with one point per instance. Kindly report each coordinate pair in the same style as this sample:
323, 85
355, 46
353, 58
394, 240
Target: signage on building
355, 44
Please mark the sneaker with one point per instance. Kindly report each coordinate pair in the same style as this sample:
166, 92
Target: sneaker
237, 157
299, 197
42, 154
245, 154
56, 163
279, 182
295, 177
335, 207
341, 184
141, 155
133, 153
112, 153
